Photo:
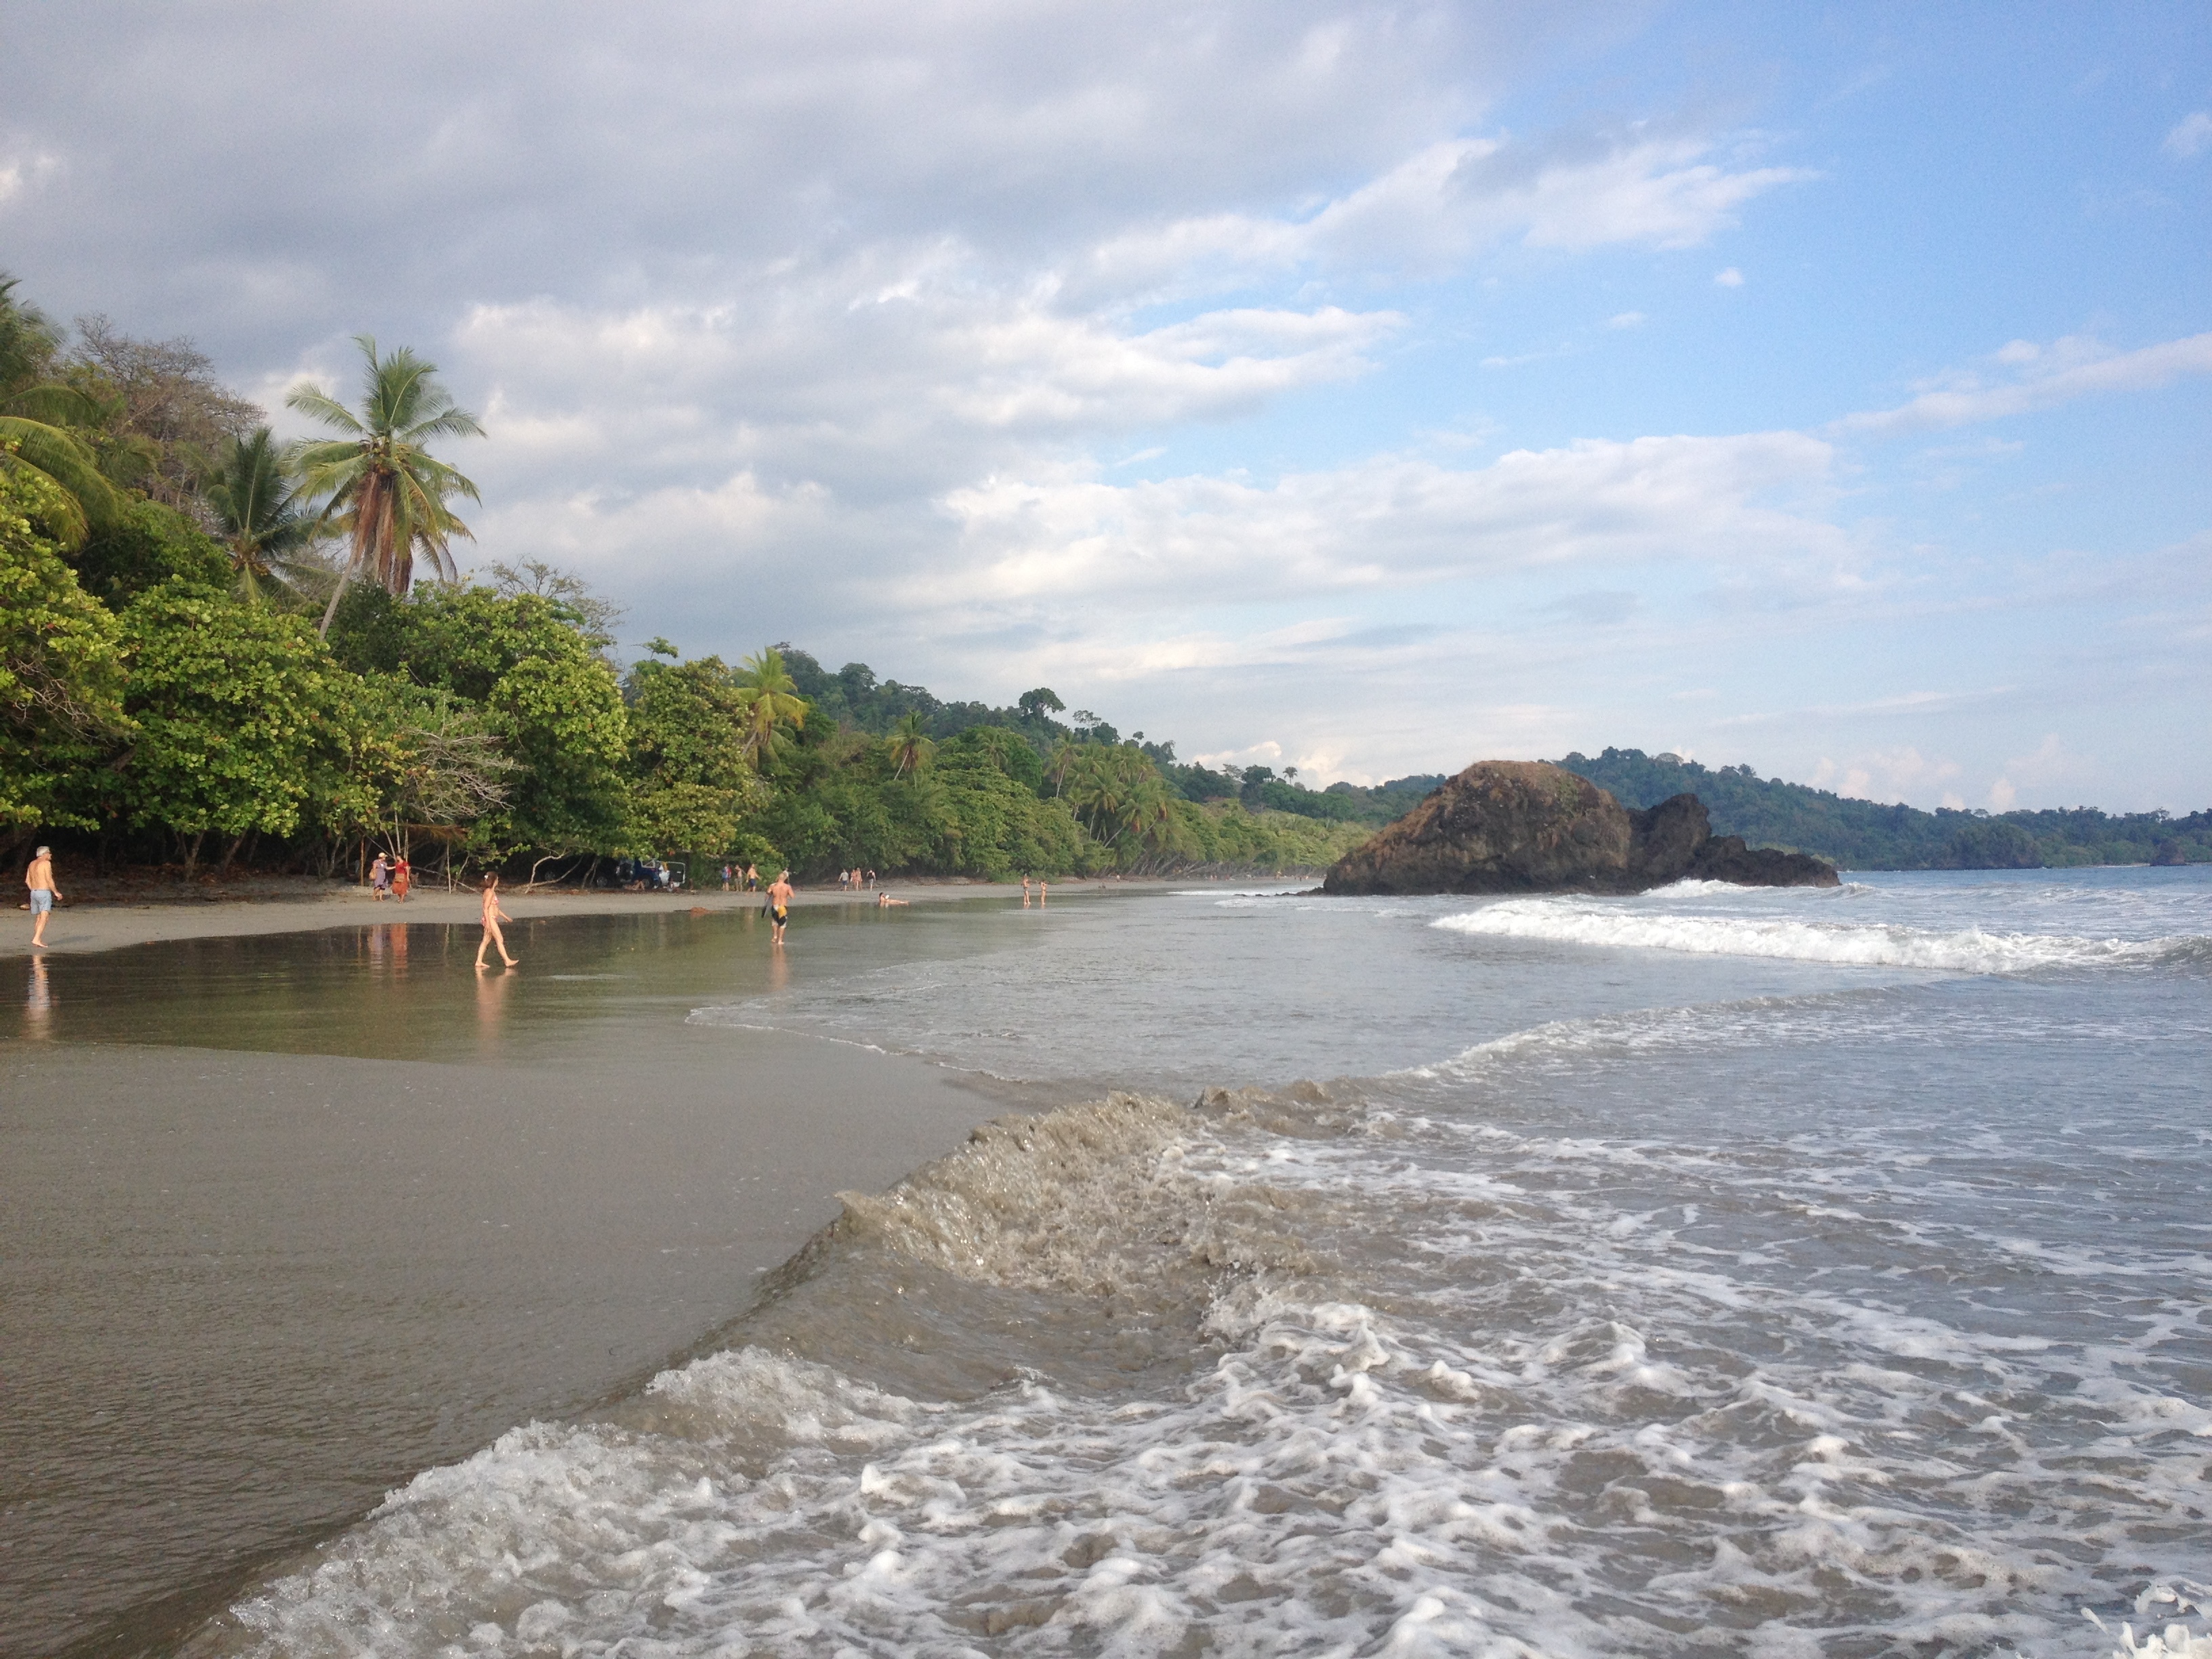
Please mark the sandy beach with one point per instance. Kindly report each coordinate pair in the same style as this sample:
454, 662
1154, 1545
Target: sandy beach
294, 1203
107, 924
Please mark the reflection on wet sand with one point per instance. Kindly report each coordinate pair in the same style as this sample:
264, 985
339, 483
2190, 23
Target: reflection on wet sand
385, 946
38, 1003
492, 987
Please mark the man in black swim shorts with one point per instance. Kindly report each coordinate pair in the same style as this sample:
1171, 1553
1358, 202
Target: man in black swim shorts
778, 904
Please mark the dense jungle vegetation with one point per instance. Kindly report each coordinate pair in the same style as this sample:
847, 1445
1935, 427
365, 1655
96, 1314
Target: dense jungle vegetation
1859, 834
214, 651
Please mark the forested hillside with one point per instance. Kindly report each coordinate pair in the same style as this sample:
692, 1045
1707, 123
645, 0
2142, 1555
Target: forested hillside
854, 696
1862, 835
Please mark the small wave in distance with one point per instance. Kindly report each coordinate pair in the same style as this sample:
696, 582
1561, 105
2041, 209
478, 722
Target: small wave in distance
1966, 951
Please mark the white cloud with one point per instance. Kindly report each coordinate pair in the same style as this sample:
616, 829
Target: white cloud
1397, 520
1899, 773
2051, 766
1729, 278
2190, 136
944, 335
1448, 202
21, 174
2049, 375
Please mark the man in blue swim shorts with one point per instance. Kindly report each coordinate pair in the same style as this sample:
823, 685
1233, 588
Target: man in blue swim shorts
39, 878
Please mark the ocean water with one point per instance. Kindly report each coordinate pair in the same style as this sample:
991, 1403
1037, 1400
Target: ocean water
1710, 1272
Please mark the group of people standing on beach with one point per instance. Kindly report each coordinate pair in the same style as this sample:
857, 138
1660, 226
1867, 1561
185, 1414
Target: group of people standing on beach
391, 878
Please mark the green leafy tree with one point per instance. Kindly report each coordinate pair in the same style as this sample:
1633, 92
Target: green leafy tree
692, 787
41, 426
571, 597
553, 703
421, 761
770, 701
61, 672
382, 487
1001, 826
143, 546
261, 519
239, 713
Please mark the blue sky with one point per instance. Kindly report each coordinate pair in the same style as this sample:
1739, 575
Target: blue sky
1372, 388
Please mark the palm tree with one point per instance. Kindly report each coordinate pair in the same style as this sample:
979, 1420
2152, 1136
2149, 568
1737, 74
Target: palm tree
1064, 754
385, 489
35, 417
259, 514
768, 698
910, 745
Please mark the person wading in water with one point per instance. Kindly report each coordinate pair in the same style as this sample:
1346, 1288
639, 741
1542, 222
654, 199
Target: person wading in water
778, 904
493, 916
39, 878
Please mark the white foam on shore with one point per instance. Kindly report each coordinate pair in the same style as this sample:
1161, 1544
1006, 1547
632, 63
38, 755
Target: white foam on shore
1967, 950
1575, 1430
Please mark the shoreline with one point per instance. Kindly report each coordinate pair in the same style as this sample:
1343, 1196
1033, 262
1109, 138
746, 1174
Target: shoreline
263, 1276
109, 923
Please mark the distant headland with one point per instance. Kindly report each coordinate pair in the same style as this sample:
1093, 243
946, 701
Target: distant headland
1864, 834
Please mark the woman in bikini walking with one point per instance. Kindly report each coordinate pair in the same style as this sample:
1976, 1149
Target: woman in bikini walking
493, 916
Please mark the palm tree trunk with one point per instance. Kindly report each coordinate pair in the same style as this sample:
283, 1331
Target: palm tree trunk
336, 593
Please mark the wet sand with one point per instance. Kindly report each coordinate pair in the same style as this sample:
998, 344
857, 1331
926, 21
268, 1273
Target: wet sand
108, 926
285, 1220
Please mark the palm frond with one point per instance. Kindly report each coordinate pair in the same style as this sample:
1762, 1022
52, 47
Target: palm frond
56, 404
447, 423
69, 462
313, 400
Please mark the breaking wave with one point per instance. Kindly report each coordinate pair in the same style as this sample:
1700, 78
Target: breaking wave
1971, 950
1274, 1373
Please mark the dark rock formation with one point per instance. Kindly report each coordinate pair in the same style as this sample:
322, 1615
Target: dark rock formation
1530, 827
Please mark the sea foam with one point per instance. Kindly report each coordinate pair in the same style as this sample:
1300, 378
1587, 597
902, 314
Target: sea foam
1969, 951
1422, 1406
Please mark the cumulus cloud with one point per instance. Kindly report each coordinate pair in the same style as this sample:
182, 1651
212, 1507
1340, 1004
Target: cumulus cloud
559, 149
1013, 340
1398, 519
1730, 278
874, 389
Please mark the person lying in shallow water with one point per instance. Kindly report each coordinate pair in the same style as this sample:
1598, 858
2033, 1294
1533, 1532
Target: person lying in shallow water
885, 900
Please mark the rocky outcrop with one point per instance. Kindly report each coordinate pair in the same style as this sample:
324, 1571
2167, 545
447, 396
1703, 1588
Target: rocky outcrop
1531, 827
